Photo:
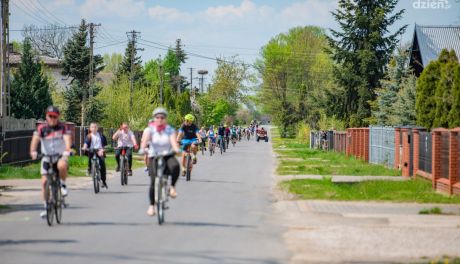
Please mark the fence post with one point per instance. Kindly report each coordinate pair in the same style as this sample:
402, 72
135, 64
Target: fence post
416, 138
453, 159
436, 156
348, 142
405, 152
397, 147
366, 144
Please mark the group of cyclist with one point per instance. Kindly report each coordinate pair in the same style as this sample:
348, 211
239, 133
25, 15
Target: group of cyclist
157, 138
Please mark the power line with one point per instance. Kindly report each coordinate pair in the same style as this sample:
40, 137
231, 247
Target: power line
113, 44
47, 11
31, 15
45, 29
43, 14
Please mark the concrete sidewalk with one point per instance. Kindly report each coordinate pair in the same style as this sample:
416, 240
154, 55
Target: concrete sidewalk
342, 178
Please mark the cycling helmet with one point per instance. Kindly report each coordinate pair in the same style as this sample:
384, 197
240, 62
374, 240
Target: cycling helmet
189, 117
160, 110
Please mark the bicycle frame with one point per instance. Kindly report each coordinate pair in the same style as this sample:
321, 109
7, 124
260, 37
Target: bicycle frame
54, 199
95, 169
124, 166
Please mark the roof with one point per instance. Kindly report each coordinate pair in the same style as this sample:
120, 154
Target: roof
15, 59
433, 39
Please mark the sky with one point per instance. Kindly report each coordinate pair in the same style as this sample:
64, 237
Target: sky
219, 28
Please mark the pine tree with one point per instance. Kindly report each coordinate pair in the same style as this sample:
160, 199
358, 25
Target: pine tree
443, 93
404, 107
425, 104
76, 65
361, 51
180, 53
125, 67
30, 90
454, 114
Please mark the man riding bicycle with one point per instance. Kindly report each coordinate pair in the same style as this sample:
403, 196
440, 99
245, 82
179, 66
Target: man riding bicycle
125, 139
97, 142
158, 138
204, 137
188, 135
233, 133
55, 139
220, 134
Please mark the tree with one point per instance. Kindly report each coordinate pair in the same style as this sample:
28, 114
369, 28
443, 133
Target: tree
112, 62
30, 89
361, 51
180, 53
404, 107
454, 114
75, 64
49, 41
296, 78
437, 94
387, 95
125, 67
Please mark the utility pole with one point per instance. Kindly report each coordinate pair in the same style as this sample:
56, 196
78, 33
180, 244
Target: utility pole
161, 83
91, 58
4, 93
191, 80
132, 36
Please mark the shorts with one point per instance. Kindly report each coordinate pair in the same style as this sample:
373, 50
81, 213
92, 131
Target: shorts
185, 142
45, 162
212, 139
233, 136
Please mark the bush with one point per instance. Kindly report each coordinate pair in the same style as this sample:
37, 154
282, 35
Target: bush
303, 133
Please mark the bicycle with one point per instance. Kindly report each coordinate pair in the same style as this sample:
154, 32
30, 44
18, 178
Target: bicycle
203, 146
212, 147
53, 196
95, 169
227, 142
124, 166
188, 161
161, 185
233, 140
248, 135
221, 145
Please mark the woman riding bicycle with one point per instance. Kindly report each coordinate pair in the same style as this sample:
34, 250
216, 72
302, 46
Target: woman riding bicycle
158, 138
211, 135
204, 137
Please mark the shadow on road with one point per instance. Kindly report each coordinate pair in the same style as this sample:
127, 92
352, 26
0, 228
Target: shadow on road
215, 181
207, 224
36, 241
29, 207
103, 224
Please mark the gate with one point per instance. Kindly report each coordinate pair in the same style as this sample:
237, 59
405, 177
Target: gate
382, 146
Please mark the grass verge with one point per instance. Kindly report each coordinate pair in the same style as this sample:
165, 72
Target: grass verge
297, 158
417, 191
77, 168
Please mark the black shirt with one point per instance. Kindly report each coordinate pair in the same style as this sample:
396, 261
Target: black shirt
189, 131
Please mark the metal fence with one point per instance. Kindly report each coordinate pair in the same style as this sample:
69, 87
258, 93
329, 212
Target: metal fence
382, 146
425, 150
445, 155
15, 146
340, 141
322, 140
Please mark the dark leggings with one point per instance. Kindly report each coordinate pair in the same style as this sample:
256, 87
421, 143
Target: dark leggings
172, 168
102, 163
128, 155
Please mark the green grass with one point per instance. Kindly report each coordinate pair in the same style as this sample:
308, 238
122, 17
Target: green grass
3, 207
418, 191
312, 161
431, 211
77, 168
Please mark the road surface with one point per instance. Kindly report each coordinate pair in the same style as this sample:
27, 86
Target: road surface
224, 215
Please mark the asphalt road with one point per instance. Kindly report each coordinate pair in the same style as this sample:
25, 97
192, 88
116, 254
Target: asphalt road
224, 215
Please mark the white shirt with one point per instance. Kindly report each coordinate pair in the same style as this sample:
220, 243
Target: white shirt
96, 141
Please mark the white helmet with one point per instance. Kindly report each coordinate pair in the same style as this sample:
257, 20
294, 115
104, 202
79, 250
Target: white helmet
160, 110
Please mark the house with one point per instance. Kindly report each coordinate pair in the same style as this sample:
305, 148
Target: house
52, 67
428, 42
55, 70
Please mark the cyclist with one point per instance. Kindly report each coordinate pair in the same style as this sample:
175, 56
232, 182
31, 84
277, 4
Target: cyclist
158, 138
96, 141
188, 135
227, 134
220, 135
233, 133
55, 139
211, 135
204, 138
125, 138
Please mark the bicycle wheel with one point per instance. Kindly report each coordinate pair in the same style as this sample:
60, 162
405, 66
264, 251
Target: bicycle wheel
221, 147
202, 148
188, 163
126, 171
94, 176
58, 204
122, 170
159, 201
49, 203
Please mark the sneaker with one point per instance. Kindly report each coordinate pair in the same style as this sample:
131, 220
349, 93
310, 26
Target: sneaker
172, 192
130, 173
146, 169
104, 185
194, 159
43, 214
117, 169
64, 190
151, 211
184, 172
